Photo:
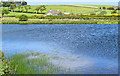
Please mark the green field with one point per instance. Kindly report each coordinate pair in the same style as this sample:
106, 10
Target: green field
76, 9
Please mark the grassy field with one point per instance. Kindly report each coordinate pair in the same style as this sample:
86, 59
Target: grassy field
75, 9
64, 8
20, 13
98, 6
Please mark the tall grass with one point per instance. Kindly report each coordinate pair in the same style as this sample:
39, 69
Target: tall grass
27, 64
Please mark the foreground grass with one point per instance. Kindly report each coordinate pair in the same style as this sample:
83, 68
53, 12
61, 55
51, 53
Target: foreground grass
29, 64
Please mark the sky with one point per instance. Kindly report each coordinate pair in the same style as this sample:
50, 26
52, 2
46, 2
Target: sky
70, 0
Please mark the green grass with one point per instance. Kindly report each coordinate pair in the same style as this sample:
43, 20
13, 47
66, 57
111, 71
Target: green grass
18, 14
97, 5
28, 65
63, 8
76, 9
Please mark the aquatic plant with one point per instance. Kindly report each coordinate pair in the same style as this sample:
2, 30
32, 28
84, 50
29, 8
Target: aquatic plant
33, 63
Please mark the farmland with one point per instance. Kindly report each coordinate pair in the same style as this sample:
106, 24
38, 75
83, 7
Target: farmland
73, 9
76, 9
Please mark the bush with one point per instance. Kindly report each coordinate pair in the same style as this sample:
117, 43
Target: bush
23, 18
104, 7
5, 11
92, 14
7, 66
115, 11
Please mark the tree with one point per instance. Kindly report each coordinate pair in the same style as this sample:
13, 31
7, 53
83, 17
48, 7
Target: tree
1, 4
60, 13
115, 11
12, 6
27, 7
110, 8
37, 9
22, 8
42, 8
104, 7
19, 6
23, 18
5, 11
6, 4
24, 3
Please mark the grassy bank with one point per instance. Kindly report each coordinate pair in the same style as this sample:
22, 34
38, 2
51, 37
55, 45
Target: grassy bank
13, 20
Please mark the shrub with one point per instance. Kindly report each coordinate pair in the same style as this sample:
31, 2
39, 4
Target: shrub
7, 66
23, 18
115, 11
104, 7
5, 11
92, 14
50, 19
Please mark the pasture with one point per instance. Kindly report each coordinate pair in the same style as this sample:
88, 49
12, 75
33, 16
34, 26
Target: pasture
75, 9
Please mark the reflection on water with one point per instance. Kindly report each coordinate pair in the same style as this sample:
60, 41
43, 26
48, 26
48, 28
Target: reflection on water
93, 46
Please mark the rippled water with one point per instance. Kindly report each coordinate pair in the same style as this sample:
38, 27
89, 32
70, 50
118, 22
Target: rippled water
95, 44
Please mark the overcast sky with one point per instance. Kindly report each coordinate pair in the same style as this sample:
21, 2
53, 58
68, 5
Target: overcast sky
70, 0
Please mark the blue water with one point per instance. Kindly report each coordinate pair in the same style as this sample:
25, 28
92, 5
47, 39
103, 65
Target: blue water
96, 43
67, 3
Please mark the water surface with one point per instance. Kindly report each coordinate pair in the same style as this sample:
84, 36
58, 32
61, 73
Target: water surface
87, 48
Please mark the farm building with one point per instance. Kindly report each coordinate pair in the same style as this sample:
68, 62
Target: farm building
56, 12
116, 7
66, 13
53, 12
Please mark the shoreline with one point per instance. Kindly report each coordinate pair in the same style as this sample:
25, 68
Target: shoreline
59, 21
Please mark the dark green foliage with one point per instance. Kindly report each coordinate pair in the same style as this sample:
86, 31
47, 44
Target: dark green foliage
41, 8
5, 11
23, 18
114, 11
19, 6
24, 3
104, 7
60, 13
37, 9
110, 8
6, 4
12, 6
27, 7
92, 14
